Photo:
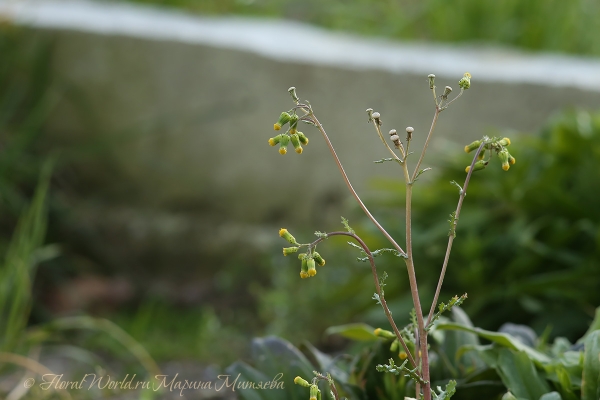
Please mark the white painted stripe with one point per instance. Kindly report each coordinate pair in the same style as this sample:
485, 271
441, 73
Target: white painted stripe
295, 42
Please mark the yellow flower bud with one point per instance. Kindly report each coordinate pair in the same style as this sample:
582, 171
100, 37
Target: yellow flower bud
312, 270
300, 381
287, 236
478, 166
383, 333
512, 160
275, 140
304, 267
283, 142
303, 138
314, 392
320, 260
473, 146
295, 139
289, 250
402, 355
284, 118
503, 156
504, 142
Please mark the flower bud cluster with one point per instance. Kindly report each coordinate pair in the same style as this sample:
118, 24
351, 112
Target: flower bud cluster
314, 391
497, 146
292, 135
308, 260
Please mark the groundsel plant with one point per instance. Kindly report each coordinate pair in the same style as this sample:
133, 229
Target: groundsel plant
410, 341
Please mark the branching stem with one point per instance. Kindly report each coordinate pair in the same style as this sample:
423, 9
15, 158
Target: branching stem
314, 119
386, 309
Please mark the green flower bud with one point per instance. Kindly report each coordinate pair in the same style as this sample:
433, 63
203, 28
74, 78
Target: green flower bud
465, 81
275, 140
384, 334
287, 236
300, 381
478, 165
431, 78
503, 156
481, 154
473, 146
394, 346
283, 142
293, 124
303, 138
295, 139
402, 355
511, 160
304, 268
314, 392
504, 142
292, 92
289, 250
312, 270
284, 118
320, 260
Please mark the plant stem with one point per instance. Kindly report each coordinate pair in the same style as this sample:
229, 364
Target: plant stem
386, 309
435, 118
345, 177
412, 279
461, 198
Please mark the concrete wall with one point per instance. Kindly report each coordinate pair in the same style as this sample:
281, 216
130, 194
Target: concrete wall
177, 111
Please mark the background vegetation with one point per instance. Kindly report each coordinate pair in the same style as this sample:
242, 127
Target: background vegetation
550, 25
528, 240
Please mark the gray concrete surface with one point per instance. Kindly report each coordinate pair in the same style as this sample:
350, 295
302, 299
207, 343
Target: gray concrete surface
182, 107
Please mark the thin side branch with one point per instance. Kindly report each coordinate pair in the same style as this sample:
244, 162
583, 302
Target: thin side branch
345, 177
386, 309
463, 193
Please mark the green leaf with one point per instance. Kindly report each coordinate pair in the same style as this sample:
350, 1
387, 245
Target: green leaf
590, 387
447, 393
455, 340
247, 374
502, 339
361, 332
593, 327
347, 225
518, 373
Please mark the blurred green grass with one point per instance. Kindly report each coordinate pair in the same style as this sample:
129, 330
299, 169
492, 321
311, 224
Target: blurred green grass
548, 25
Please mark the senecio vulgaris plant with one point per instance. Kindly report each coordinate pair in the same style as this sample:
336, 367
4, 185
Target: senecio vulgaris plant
411, 341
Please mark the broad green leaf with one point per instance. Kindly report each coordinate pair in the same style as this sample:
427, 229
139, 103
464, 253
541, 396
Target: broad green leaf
502, 339
241, 372
593, 327
564, 381
551, 396
360, 332
590, 387
518, 373
272, 355
455, 340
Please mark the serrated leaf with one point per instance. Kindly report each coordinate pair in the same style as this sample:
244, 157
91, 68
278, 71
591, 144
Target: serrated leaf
590, 386
383, 160
360, 332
